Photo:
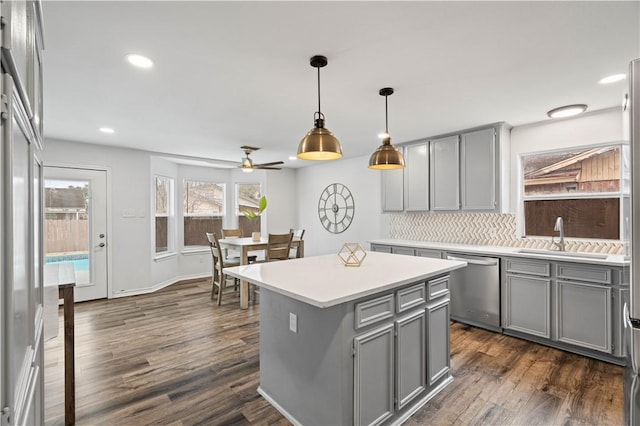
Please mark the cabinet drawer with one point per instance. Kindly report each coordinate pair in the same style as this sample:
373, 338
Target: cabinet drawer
410, 297
380, 248
373, 311
403, 250
529, 267
436, 254
580, 272
438, 287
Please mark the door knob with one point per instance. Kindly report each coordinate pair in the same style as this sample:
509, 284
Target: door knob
101, 235
101, 245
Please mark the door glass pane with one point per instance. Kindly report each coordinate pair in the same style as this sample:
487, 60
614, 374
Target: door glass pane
67, 237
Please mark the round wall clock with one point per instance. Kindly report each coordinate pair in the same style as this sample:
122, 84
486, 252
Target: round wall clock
336, 208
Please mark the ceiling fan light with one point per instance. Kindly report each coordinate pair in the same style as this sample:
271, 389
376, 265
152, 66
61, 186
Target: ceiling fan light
319, 144
247, 169
386, 157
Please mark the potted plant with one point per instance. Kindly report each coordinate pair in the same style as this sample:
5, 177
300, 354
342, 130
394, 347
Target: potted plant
253, 216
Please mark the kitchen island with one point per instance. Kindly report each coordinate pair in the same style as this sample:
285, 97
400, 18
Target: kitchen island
352, 345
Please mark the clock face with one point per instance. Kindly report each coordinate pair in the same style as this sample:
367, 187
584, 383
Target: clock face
336, 208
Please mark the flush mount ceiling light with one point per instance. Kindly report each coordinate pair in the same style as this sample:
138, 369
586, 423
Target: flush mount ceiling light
612, 78
107, 130
139, 61
386, 157
567, 111
319, 143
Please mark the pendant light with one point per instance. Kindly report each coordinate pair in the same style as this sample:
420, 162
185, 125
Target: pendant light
386, 157
319, 143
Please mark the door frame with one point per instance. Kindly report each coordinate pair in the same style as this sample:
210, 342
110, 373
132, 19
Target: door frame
107, 170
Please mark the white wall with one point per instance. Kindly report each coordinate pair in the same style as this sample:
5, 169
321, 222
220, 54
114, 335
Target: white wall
593, 128
130, 190
131, 240
364, 185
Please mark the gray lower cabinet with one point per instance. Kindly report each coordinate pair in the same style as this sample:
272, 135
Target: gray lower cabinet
527, 305
584, 315
403, 250
436, 254
373, 386
410, 357
381, 248
438, 356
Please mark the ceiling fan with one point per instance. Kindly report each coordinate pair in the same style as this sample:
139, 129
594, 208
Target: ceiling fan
247, 163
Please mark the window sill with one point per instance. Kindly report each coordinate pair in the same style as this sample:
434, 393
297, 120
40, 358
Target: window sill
195, 250
164, 256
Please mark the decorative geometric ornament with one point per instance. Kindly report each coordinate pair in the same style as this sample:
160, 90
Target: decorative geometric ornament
352, 254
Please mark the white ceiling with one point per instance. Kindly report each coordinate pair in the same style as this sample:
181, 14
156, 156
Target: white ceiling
233, 73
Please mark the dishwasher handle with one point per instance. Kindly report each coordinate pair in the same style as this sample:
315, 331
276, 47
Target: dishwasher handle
491, 262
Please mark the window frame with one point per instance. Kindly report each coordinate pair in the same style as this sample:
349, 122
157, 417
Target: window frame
212, 215
170, 215
622, 194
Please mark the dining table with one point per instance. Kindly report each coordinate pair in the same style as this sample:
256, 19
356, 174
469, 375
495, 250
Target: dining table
244, 245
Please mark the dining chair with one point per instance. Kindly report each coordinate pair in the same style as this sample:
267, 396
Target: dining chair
295, 251
278, 246
235, 232
218, 277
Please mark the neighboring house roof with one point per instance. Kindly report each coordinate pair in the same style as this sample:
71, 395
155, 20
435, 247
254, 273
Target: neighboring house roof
64, 198
566, 169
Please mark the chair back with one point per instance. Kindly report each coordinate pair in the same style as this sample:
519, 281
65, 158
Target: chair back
214, 245
298, 234
231, 233
278, 246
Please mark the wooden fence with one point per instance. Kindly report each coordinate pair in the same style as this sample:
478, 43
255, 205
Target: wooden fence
64, 236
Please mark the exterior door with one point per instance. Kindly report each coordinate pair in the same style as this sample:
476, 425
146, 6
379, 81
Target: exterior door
75, 226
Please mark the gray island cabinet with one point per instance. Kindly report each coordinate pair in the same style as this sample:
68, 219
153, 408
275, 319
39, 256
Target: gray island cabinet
344, 345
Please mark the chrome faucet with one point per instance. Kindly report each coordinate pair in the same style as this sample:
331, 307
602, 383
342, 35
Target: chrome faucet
559, 227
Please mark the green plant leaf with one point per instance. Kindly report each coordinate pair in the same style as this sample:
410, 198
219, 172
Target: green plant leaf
263, 204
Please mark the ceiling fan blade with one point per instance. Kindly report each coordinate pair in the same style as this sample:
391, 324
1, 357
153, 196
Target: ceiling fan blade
274, 163
267, 167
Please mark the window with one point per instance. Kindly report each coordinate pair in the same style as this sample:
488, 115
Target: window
203, 207
248, 198
583, 185
163, 213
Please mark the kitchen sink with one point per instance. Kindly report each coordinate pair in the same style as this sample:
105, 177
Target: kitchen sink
568, 254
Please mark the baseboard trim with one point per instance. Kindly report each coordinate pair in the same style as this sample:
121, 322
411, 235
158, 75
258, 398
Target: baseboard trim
159, 286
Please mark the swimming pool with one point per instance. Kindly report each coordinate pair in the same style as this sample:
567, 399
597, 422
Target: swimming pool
80, 261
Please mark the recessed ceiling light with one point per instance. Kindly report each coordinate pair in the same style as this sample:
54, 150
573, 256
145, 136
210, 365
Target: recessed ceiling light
567, 111
139, 61
108, 130
612, 78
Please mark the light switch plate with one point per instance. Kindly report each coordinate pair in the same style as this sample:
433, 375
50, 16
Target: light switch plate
293, 322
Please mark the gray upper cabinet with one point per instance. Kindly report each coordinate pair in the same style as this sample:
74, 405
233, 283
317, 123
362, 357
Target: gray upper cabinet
417, 176
444, 173
479, 183
393, 190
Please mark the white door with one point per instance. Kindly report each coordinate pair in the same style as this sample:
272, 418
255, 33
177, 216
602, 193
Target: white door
75, 226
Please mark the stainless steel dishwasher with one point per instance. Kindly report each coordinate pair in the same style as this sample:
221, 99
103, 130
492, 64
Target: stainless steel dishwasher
475, 291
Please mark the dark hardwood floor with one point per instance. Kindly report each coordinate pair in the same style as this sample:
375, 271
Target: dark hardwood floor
175, 358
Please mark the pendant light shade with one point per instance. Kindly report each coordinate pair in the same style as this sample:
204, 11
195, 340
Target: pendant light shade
386, 157
319, 143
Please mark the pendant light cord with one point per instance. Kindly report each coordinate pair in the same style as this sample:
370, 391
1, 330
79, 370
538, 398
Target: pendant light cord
319, 111
386, 115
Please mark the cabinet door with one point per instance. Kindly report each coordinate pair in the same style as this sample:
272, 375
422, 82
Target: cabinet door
438, 351
527, 305
478, 170
381, 248
436, 254
403, 250
373, 386
444, 173
417, 176
584, 315
392, 190
410, 358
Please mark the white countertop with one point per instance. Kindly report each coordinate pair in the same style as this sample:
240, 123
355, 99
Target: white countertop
324, 281
501, 251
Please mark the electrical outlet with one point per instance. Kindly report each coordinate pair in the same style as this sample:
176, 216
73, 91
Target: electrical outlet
293, 322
